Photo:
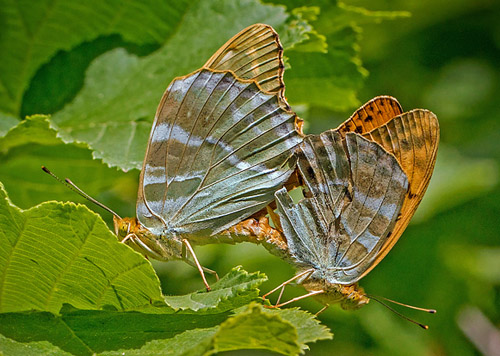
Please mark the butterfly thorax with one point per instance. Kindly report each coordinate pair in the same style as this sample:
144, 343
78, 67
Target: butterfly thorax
131, 232
350, 297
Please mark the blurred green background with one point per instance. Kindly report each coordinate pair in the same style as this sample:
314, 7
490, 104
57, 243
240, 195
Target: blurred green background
444, 58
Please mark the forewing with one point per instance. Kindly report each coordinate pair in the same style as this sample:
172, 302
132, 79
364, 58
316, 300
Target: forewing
371, 115
255, 54
218, 150
413, 139
342, 226
308, 226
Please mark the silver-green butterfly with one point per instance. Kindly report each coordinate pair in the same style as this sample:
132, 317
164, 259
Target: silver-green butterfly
221, 144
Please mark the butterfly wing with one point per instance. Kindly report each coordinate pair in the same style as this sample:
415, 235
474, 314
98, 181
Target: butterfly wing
413, 138
255, 53
218, 149
356, 194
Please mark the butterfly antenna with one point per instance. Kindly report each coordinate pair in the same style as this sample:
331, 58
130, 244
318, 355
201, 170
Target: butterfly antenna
431, 311
423, 326
69, 184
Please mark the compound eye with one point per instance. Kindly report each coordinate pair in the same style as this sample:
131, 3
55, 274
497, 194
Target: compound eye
123, 229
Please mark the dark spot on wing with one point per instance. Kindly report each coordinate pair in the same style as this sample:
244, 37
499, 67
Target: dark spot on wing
310, 172
358, 129
368, 118
348, 195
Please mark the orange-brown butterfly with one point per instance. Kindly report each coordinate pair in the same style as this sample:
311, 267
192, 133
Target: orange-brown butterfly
364, 181
221, 144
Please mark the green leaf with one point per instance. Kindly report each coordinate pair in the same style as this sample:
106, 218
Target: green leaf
32, 143
191, 342
110, 332
235, 289
6, 123
34, 348
58, 253
308, 327
298, 34
256, 329
330, 79
85, 332
35, 129
364, 16
114, 110
32, 32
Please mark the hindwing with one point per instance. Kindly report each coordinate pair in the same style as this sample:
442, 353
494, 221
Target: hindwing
356, 191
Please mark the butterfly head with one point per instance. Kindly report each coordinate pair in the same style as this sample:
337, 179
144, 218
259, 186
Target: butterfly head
131, 232
124, 226
354, 297
350, 297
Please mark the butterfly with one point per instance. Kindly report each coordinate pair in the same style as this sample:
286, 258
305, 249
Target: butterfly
221, 144
363, 180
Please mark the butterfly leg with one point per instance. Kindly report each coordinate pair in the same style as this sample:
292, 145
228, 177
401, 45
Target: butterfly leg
210, 271
126, 238
137, 244
306, 274
196, 263
310, 294
322, 310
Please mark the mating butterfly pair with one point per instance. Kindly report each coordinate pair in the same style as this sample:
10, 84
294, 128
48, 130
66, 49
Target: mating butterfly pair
224, 143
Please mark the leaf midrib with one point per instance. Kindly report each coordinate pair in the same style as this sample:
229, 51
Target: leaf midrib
64, 271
